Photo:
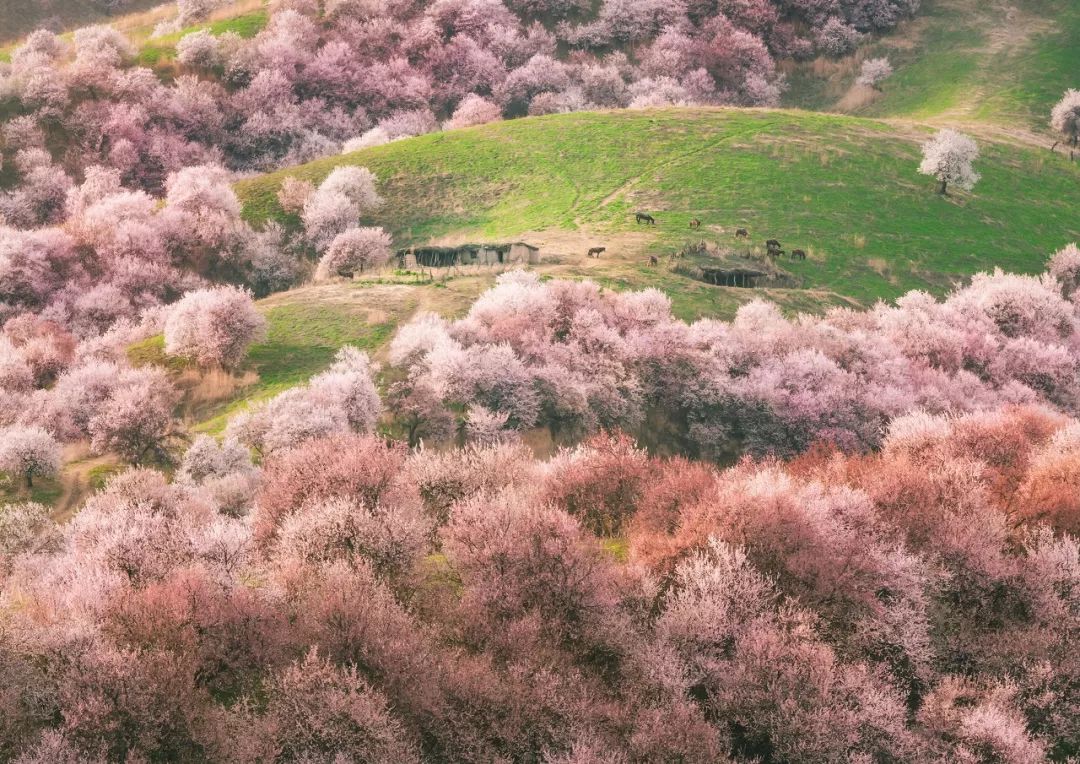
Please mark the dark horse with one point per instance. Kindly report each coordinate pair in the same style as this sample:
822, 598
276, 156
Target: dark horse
695, 223
653, 260
742, 233
798, 254
595, 251
772, 244
644, 217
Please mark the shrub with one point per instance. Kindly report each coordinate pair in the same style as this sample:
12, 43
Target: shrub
213, 327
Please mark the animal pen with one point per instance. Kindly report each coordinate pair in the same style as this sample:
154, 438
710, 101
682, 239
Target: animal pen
732, 277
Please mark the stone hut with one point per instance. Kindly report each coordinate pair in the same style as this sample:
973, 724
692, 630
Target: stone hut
517, 253
520, 252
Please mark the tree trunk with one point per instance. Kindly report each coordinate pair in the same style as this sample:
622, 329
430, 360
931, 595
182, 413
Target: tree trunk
944, 185
29, 479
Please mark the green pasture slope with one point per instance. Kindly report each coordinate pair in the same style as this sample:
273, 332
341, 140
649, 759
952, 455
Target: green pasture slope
19, 17
842, 188
1002, 62
160, 50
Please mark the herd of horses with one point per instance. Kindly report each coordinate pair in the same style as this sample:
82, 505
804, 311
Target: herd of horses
772, 246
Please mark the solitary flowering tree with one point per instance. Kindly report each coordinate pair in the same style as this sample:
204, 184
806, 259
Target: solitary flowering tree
353, 250
294, 193
1065, 117
1065, 267
949, 156
874, 72
473, 110
199, 49
29, 452
214, 327
135, 421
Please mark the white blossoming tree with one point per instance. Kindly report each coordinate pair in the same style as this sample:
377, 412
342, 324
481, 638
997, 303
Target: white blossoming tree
1065, 117
949, 157
874, 71
29, 452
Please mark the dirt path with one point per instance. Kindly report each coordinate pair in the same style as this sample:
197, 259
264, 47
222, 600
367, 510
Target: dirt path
676, 158
75, 480
1004, 28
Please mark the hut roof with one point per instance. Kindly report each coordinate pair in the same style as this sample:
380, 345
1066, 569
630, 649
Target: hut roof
434, 249
732, 272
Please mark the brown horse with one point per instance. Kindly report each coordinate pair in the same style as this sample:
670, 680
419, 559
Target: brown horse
595, 251
772, 244
695, 223
644, 217
798, 254
742, 233
653, 260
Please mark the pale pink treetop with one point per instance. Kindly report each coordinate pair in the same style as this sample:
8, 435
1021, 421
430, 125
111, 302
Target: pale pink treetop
213, 327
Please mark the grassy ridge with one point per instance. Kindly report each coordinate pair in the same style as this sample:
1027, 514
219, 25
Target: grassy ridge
970, 60
1032, 80
19, 17
244, 17
161, 50
302, 338
844, 189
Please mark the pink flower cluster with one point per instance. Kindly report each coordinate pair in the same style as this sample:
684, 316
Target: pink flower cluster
350, 600
575, 358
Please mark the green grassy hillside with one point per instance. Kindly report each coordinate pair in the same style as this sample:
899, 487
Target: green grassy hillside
992, 61
160, 52
846, 190
244, 17
19, 17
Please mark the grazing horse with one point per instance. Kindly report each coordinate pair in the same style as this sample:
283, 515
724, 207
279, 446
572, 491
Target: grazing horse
772, 244
595, 251
742, 233
644, 217
653, 260
798, 254
695, 223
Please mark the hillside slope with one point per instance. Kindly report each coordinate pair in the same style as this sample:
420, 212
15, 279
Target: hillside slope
1003, 62
19, 17
845, 190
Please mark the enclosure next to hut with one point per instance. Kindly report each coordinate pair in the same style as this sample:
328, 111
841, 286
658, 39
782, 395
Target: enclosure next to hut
722, 266
733, 277
515, 253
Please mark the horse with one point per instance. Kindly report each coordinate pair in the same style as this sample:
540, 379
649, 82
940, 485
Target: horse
695, 223
798, 254
644, 217
595, 251
772, 244
742, 233
653, 260
777, 253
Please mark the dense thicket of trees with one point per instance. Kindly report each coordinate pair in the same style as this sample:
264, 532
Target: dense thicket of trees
351, 600
902, 589
321, 76
886, 570
574, 358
